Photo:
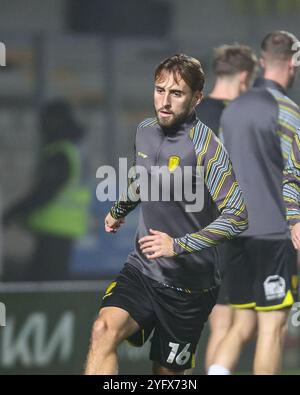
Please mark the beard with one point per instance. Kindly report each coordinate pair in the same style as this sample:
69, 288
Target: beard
174, 121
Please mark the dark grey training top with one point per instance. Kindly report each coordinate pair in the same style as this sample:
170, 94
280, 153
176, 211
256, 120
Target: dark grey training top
196, 233
210, 111
257, 129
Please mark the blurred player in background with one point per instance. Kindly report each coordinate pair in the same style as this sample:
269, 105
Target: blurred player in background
234, 68
169, 282
258, 129
55, 209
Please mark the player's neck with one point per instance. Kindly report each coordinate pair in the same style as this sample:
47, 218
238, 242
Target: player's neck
279, 76
225, 89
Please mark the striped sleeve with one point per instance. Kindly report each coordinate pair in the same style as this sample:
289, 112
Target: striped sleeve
288, 121
291, 183
129, 200
224, 190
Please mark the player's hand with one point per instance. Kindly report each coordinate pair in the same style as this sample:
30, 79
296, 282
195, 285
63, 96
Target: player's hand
295, 234
111, 224
156, 245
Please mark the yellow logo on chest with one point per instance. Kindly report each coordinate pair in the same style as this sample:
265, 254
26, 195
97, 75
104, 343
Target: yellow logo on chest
142, 155
173, 163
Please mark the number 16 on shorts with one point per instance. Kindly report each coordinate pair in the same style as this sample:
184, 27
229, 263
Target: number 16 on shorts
180, 358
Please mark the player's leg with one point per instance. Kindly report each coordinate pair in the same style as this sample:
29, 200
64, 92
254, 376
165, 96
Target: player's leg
220, 321
271, 326
180, 320
221, 317
126, 308
277, 291
240, 291
241, 331
112, 326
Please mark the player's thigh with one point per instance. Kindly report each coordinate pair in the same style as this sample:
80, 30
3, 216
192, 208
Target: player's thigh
272, 322
245, 321
126, 305
117, 322
221, 317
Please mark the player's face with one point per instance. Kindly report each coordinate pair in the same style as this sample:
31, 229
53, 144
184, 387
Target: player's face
173, 100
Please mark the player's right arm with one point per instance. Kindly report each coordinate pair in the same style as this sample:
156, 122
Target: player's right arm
111, 224
128, 201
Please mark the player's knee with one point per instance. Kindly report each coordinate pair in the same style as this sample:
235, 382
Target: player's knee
100, 329
246, 334
103, 333
245, 331
274, 330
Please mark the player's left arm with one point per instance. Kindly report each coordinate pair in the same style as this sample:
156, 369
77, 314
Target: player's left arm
157, 244
289, 125
224, 189
291, 190
226, 193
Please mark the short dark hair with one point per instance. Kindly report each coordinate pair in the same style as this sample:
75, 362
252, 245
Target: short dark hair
188, 68
277, 45
232, 59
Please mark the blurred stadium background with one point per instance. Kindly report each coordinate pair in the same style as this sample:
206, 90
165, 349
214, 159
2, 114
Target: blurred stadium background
100, 56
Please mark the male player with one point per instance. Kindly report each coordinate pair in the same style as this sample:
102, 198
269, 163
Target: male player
258, 130
234, 67
169, 281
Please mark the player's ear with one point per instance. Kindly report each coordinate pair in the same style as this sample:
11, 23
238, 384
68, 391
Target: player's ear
244, 76
198, 96
291, 63
262, 63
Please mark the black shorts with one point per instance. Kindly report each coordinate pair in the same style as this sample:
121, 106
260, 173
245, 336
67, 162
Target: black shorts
261, 274
223, 297
177, 317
